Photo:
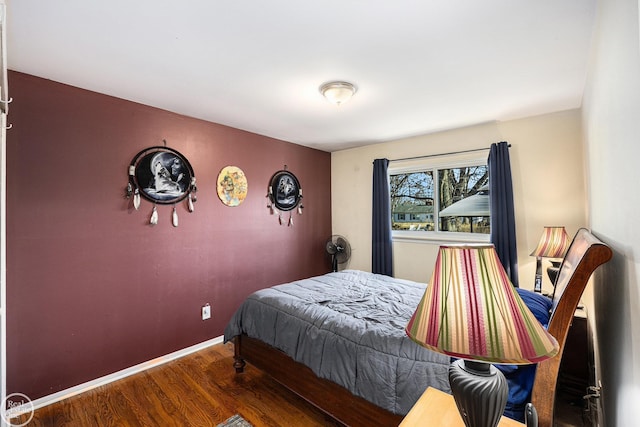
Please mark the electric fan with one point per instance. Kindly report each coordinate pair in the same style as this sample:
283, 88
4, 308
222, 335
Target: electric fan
339, 249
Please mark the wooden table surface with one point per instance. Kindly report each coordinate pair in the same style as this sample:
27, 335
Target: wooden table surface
437, 408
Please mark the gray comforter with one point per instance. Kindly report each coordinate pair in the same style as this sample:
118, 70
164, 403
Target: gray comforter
348, 327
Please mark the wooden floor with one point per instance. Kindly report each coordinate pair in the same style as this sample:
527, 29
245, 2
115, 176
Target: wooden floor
201, 389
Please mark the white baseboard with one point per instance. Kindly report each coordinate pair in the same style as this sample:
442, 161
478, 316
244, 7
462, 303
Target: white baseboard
82, 388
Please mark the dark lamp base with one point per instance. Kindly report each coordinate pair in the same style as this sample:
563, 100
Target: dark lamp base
480, 392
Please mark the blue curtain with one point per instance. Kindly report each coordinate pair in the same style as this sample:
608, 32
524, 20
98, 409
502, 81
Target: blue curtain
381, 252
503, 222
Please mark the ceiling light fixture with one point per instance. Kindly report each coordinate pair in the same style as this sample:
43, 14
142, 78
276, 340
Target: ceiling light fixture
338, 92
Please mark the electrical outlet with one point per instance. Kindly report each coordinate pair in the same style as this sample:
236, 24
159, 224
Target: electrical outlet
206, 311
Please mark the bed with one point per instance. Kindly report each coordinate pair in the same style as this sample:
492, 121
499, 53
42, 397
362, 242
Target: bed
348, 327
338, 340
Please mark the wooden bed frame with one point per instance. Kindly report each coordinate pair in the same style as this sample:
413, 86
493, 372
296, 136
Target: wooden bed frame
585, 254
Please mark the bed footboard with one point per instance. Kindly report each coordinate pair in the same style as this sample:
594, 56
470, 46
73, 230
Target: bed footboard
332, 399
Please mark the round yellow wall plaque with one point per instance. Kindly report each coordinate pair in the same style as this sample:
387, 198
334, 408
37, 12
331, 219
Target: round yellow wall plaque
232, 186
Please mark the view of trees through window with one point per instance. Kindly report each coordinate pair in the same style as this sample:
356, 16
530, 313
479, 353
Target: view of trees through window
459, 203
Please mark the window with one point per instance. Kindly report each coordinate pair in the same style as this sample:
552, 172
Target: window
444, 199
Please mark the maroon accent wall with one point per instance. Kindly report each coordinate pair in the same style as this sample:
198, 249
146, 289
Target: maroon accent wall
91, 287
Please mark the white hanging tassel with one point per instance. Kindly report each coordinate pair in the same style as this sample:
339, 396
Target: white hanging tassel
290, 220
300, 209
136, 199
192, 195
190, 203
154, 216
174, 217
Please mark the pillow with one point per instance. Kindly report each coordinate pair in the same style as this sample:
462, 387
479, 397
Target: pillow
520, 377
539, 305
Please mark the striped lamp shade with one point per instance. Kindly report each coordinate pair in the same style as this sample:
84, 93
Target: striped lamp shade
553, 243
470, 310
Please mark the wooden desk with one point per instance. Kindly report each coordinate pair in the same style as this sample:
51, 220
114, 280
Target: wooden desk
437, 408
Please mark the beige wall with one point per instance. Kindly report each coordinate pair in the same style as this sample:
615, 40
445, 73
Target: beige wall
547, 166
612, 128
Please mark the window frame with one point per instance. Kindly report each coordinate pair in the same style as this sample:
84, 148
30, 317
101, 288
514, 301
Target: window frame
434, 163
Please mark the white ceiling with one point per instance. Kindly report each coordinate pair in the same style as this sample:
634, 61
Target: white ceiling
420, 65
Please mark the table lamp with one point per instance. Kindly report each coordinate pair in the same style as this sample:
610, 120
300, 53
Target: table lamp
471, 311
553, 244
